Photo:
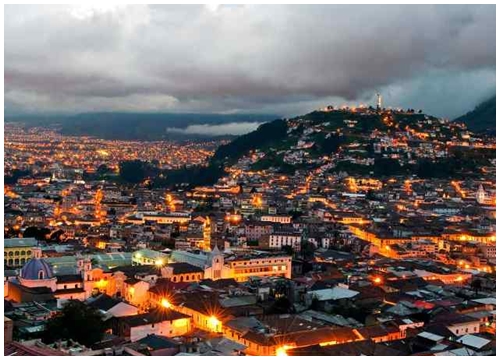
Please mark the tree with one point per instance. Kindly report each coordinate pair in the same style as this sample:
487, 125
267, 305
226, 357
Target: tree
103, 169
78, 322
288, 250
10, 232
307, 250
37, 233
295, 214
57, 236
135, 171
282, 305
315, 303
15, 175
476, 284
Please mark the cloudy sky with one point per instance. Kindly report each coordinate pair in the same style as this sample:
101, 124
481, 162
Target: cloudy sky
285, 60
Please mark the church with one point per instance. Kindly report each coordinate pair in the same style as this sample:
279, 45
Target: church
211, 262
239, 266
36, 281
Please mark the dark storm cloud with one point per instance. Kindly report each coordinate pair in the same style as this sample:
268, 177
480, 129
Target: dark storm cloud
279, 59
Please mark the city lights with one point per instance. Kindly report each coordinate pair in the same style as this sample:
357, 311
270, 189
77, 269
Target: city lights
213, 323
166, 304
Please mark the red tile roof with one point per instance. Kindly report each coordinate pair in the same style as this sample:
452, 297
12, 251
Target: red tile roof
17, 349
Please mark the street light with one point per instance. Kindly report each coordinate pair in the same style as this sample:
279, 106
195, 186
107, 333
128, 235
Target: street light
281, 351
165, 303
213, 323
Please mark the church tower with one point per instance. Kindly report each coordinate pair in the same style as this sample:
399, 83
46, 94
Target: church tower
207, 233
216, 261
85, 270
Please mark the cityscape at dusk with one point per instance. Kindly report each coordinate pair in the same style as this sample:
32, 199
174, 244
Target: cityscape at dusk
250, 180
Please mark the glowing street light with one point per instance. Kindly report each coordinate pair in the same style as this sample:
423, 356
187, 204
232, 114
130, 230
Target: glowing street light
213, 323
281, 351
165, 303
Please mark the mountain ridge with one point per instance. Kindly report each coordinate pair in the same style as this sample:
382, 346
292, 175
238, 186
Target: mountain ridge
482, 118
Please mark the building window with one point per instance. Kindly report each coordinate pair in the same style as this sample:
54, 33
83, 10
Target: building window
40, 274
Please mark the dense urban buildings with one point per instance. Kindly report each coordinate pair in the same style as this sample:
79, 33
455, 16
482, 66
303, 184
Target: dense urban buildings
163, 196
323, 259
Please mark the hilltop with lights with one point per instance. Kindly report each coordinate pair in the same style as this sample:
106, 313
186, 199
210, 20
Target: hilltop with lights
363, 140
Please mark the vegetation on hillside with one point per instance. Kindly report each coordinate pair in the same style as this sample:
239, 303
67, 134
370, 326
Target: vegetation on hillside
482, 118
267, 133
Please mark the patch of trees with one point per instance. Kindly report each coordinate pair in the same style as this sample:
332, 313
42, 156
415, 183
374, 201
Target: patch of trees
461, 162
388, 167
15, 175
329, 145
44, 234
265, 134
76, 321
136, 171
194, 176
482, 118
36, 232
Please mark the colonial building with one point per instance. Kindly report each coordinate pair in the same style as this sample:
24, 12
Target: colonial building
38, 282
236, 266
18, 251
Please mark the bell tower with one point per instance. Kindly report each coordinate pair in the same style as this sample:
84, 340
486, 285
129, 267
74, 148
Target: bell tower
217, 263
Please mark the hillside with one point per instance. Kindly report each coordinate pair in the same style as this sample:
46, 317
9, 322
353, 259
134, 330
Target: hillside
482, 118
359, 141
267, 133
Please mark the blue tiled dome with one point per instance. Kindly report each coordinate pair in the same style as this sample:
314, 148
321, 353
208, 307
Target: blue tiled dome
36, 269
